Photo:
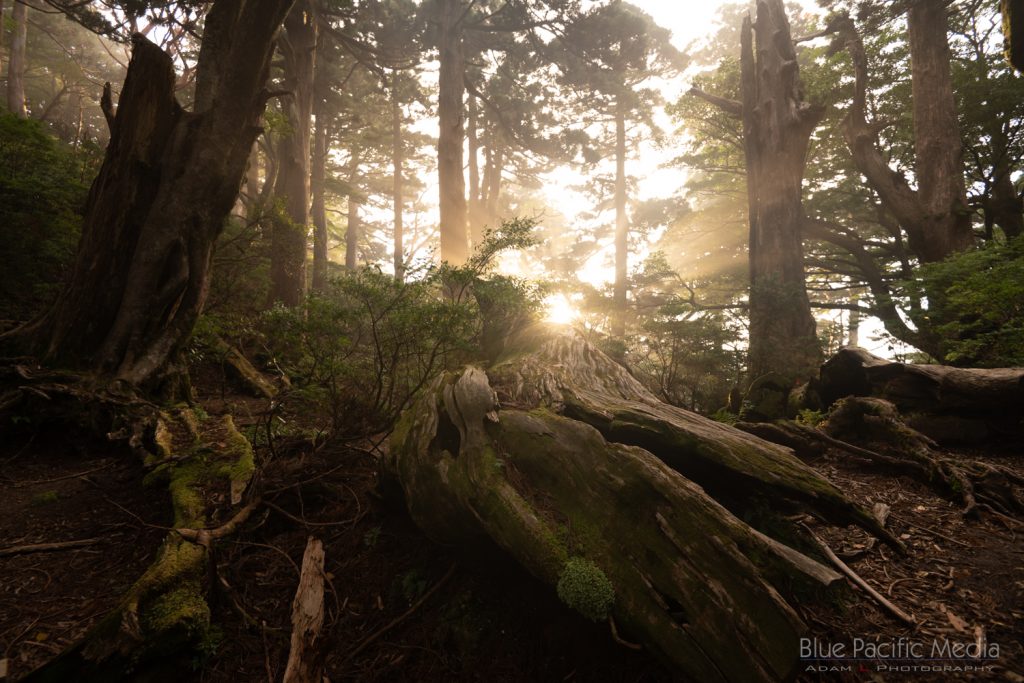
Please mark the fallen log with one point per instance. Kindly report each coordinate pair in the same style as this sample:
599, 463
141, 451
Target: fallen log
556, 454
946, 403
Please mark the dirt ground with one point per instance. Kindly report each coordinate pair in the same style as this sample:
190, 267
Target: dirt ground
401, 608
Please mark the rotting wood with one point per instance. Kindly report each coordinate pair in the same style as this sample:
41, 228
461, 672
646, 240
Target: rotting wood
304, 662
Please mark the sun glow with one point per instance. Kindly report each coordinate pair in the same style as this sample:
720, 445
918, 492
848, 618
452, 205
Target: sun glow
558, 309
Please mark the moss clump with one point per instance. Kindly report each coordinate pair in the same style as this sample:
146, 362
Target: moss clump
183, 608
238, 452
585, 588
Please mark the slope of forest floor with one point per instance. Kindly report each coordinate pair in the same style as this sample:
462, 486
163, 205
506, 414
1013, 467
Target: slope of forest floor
401, 608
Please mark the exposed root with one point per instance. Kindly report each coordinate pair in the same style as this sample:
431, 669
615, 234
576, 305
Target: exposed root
888, 442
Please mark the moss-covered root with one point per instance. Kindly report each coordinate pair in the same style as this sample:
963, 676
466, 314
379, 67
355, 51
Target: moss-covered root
609, 526
877, 423
165, 610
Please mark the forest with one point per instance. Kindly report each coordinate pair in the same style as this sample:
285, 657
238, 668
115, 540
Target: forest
511, 340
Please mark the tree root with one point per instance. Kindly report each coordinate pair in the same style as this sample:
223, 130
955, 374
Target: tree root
898, 447
166, 609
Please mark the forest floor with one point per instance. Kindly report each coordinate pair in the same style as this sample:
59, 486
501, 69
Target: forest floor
401, 608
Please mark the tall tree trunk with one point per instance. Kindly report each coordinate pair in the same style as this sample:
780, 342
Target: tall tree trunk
352, 232
252, 182
1006, 203
777, 126
475, 212
451, 182
397, 187
934, 216
319, 209
16, 61
290, 229
492, 179
938, 150
168, 181
621, 223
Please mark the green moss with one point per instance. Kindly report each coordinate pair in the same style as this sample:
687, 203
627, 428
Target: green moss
181, 608
240, 463
585, 588
188, 504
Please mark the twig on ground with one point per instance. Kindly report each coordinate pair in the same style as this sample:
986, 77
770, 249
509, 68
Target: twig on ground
853, 576
48, 547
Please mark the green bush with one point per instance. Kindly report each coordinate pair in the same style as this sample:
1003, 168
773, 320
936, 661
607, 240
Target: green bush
585, 588
976, 303
362, 349
43, 186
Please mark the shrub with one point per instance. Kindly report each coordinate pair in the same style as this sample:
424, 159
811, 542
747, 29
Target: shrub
364, 347
585, 588
42, 194
977, 304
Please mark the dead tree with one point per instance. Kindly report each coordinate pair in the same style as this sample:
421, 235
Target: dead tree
777, 126
563, 459
169, 178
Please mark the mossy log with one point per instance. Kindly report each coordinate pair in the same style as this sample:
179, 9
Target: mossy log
165, 610
556, 454
946, 403
242, 372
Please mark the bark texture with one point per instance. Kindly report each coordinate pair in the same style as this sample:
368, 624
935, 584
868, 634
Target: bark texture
555, 452
777, 125
168, 181
304, 662
397, 180
935, 215
319, 209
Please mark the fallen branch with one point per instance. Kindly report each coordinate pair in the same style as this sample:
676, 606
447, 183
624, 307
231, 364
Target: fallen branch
203, 537
48, 547
853, 576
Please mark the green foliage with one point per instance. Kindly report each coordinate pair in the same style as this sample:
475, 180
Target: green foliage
976, 301
585, 588
685, 355
42, 192
362, 349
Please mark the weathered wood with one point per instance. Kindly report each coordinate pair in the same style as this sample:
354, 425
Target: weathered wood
777, 126
566, 373
304, 662
548, 454
944, 402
